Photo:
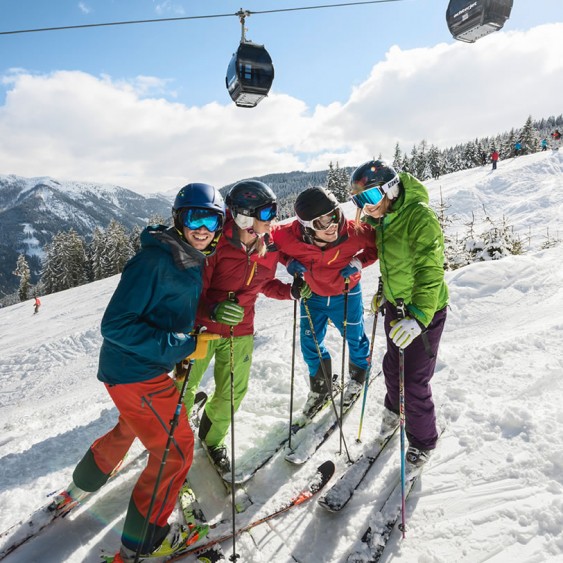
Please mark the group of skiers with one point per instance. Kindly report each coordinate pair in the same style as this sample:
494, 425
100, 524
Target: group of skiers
207, 270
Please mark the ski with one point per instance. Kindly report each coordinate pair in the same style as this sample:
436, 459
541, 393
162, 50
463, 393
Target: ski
338, 496
242, 500
310, 444
321, 477
251, 466
27, 528
193, 515
374, 540
380, 526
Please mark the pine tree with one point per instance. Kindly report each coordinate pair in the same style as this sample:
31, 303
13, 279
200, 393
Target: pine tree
24, 273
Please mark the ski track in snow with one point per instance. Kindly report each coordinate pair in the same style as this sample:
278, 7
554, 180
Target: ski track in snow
492, 492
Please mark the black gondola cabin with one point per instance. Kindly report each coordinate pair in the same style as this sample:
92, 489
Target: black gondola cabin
469, 20
249, 75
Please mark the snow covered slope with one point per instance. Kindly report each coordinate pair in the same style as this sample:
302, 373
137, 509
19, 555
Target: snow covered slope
492, 492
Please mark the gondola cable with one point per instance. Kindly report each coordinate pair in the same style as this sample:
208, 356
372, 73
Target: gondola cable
184, 18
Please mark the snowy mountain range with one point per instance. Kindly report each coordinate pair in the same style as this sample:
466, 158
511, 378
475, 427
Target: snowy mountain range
493, 490
33, 210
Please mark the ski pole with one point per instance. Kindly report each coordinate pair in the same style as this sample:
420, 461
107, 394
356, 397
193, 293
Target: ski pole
326, 376
370, 358
344, 327
292, 370
234, 556
173, 424
401, 315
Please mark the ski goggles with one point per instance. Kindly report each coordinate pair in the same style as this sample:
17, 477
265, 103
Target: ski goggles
266, 212
372, 196
324, 222
194, 218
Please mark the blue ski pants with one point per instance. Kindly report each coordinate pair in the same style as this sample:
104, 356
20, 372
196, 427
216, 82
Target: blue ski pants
324, 308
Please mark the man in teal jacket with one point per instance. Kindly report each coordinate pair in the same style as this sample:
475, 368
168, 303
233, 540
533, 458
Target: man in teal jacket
410, 246
146, 329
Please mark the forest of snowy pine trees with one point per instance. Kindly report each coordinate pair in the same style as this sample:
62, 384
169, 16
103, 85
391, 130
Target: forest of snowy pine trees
70, 260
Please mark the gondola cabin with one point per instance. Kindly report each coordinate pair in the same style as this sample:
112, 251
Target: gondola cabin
469, 20
249, 75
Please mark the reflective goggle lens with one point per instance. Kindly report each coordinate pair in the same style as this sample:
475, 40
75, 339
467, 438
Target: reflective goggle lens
196, 218
267, 213
324, 222
372, 196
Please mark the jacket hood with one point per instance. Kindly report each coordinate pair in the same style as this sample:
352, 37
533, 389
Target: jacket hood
167, 238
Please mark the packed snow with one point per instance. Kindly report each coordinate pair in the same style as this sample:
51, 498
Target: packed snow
492, 491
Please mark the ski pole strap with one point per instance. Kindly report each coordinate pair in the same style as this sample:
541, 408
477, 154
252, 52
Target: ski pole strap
401, 309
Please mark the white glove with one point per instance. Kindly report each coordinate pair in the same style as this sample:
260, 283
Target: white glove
403, 332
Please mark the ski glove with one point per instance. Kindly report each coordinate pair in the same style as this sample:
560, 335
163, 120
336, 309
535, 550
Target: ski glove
228, 313
404, 331
201, 343
294, 267
300, 289
354, 267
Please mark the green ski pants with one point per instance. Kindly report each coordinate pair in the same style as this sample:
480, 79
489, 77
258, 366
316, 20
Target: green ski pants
218, 406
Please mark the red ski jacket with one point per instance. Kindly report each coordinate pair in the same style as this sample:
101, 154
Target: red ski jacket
324, 264
232, 269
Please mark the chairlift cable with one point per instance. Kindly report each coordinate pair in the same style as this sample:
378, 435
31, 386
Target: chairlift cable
184, 18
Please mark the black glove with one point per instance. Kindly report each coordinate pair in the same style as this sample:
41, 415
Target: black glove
300, 288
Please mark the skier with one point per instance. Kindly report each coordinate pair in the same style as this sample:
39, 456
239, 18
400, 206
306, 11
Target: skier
410, 246
36, 305
494, 158
244, 266
544, 144
556, 136
517, 148
326, 248
147, 328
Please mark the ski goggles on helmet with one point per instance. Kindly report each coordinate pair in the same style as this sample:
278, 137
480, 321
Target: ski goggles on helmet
372, 196
325, 221
194, 218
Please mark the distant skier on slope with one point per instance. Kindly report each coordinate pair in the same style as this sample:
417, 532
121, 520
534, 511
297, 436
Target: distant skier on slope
36, 305
494, 158
146, 329
326, 248
243, 266
556, 140
410, 246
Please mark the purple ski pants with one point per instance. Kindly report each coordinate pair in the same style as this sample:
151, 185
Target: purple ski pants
420, 416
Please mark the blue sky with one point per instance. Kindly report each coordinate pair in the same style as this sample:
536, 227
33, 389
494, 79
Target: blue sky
145, 105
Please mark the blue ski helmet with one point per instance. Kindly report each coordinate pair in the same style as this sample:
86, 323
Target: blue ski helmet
200, 196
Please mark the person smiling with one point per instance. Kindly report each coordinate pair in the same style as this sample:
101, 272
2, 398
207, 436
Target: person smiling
410, 245
244, 266
327, 249
147, 327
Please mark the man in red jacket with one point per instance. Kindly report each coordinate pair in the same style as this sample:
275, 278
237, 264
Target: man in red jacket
326, 248
243, 266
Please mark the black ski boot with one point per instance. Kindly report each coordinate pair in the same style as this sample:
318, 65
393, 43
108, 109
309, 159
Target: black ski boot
217, 454
319, 392
355, 385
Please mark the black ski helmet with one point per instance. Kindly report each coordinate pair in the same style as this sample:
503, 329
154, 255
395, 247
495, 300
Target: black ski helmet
249, 199
314, 202
373, 173
201, 196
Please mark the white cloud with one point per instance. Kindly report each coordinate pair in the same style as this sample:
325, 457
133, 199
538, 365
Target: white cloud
84, 8
72, 125
168, 7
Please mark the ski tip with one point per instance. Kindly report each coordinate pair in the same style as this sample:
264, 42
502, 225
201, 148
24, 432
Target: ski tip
325, 471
